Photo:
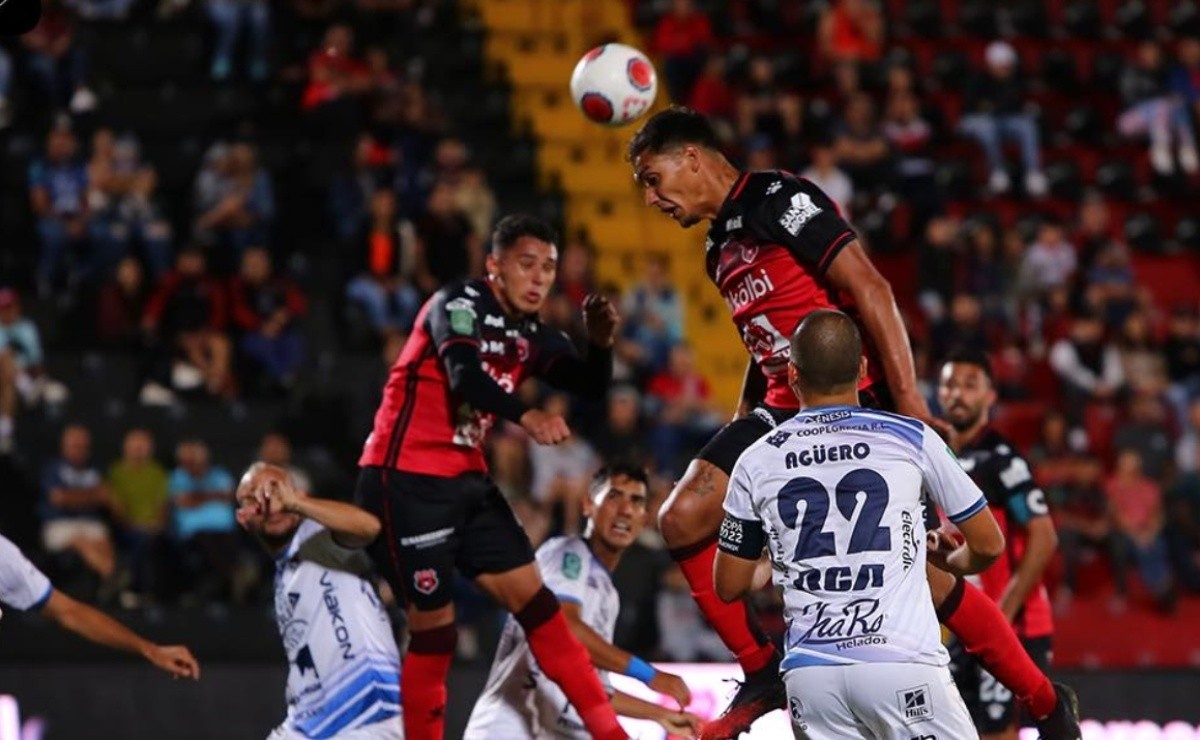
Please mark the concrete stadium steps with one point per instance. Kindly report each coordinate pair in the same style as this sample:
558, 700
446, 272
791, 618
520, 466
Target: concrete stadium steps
536, 44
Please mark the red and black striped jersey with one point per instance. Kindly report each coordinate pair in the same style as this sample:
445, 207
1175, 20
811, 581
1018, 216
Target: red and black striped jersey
767, 252
422, 425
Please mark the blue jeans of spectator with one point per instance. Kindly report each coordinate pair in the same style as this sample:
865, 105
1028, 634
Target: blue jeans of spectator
991, 132
100, 252
230, 16
280, 355
5, 73
1158, 118
109, 9
139, 546
59, 77
387, 309
154, 236
1153, 563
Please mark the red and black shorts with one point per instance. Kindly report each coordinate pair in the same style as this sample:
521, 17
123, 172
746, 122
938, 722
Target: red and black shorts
993, 707
433, 526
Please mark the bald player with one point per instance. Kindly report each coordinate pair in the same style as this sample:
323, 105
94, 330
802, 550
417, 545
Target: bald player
343, 665
835, 495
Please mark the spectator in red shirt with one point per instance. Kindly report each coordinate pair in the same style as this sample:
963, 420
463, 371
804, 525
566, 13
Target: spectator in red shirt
713, 96
187, 316
683, 37
265, 310
1136, 504
851, 30
333, 71
680, 401
120, 306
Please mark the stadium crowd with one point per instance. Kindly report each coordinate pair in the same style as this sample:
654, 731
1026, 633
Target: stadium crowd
1037, 270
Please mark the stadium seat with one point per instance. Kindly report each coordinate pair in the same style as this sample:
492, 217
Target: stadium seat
1064, 179
1058, 70
951, 68
1133, 19
1116, 178
1143, 232
1082, 18
924, 17
1029, 18
1083, 125
978, 18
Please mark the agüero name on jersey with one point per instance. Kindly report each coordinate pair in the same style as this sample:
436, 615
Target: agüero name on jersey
821, 454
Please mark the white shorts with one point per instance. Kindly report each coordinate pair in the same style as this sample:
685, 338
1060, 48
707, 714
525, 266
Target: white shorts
391, 728
58, 535
877, 701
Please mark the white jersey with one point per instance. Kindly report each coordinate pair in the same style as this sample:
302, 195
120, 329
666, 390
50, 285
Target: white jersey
519, 702
838, 492
343, 665
22, 585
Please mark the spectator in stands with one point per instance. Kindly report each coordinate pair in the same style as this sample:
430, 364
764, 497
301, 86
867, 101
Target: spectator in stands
275, 449
1183, 527
57, 62
58, 185
1088, 367
235, 202
383, 292
963, 328
576, 277
861, 149
474, 197
824, 172
1081, 515
1154, 109
137, 486
983, 272
187, 317
851, 30
764, 106
910, 137
230, 18
1186, 449
995, 112
561, 472
1111, 286
74, 503
1095, 232
682, 38
1146, 430
447, 248
120, 306
1049, 262
203, 521
621, 437
1052, 454
22, 375
121, 191
1142, 361
653, 313
351, 193
936, 278
335, 74
1182, 350
679, 400
1136, 503
713, 96
265, 310
1185, 78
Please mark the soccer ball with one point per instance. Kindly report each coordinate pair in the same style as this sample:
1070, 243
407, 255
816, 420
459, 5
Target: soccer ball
614, 84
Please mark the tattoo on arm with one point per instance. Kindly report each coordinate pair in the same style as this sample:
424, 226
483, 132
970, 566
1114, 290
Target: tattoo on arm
705, 482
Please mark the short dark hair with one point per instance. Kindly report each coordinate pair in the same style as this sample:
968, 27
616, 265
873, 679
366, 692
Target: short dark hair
827, 351
672, 128
512, 228
632, 471
970, 356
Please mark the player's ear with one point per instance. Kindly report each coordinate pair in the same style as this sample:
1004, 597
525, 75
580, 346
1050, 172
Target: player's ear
793, 377
862, 368
491, 263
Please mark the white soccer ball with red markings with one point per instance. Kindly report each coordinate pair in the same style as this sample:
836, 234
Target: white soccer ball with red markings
614, 84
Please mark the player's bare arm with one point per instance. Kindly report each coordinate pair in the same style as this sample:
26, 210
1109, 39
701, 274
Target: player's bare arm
754, 386
677, 724
608, 657
852, 272
1040, 545
96, 626
733, 576
983, 544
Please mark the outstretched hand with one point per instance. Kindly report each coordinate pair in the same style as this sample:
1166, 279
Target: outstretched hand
601, 318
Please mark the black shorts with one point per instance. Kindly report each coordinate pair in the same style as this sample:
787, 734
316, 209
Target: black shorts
993, 707
432, 526
728, 444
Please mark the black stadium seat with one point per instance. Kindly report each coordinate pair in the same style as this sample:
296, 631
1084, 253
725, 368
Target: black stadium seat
1058, 70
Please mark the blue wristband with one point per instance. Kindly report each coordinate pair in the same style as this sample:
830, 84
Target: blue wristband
640, 669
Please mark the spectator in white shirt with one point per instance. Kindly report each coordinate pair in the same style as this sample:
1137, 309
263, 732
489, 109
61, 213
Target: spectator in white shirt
1088, 366
1049, 262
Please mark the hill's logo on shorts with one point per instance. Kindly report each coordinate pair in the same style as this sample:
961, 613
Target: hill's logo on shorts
425, 581
914, 704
